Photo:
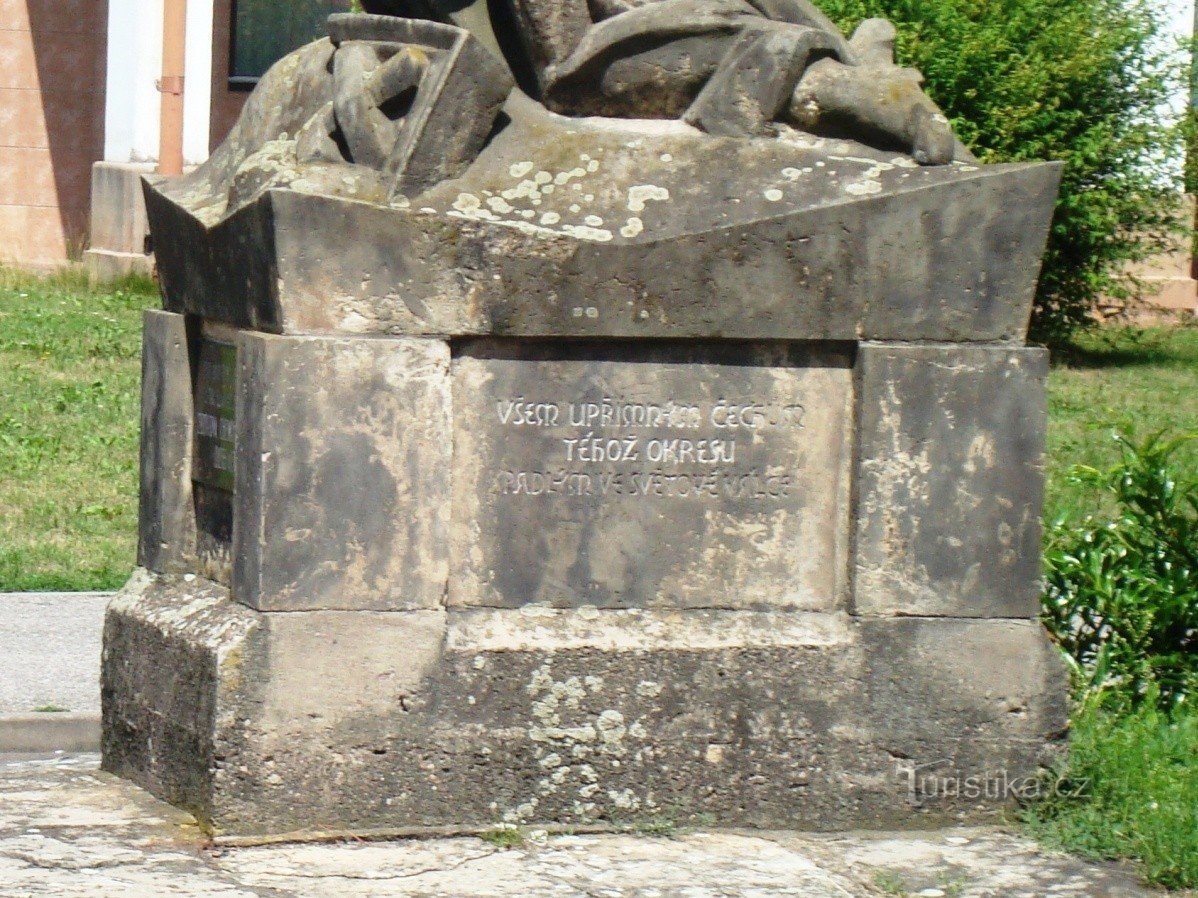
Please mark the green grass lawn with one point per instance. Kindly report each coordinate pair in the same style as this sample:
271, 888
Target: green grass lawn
1137, 381
69, 371
1128, 790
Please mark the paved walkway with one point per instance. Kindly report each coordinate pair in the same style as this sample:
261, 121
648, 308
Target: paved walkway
50, 651
50, 671
69, 831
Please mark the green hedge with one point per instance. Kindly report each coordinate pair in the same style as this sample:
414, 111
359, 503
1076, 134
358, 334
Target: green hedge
1121, 592
1079, 81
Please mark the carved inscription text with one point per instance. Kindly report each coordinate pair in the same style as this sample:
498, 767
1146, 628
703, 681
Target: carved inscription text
670, 448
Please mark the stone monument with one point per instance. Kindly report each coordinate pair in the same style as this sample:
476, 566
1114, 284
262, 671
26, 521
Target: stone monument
588, 413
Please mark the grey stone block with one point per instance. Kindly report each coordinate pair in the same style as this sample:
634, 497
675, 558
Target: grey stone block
311, 721
950, 480
166, 512
725, 246
979, 680
45, 732
104, 266
118, 212
625, 475
171, 683
342, 473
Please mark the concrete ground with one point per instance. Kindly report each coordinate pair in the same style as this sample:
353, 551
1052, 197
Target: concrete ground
70, 831
50, 671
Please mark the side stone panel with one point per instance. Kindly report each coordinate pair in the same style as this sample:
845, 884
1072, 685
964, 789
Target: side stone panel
166, 513
988, 686
950, 480
342, 473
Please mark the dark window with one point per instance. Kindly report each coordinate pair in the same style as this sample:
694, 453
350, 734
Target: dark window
264, 31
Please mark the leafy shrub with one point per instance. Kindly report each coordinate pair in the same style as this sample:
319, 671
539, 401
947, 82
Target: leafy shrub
1079, 81
1129, 789
1121, 597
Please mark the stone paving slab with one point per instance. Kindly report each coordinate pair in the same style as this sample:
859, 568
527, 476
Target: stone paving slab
69, 831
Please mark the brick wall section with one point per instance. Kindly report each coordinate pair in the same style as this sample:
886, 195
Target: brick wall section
52, 73
226, 103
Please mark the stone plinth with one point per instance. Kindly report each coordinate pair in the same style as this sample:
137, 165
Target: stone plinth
504, 466
577, 582
120, 232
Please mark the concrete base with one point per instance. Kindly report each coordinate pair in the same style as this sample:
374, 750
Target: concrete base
316, 721
68, 830
119, 228
105, 265
33, 733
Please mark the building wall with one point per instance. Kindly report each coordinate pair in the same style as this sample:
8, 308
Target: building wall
52, 80
134, 67
226, 103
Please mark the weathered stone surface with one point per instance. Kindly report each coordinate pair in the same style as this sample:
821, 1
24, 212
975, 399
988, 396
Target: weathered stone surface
171, 676
786, 237
756, 80
745, 239
883, 101
342, 473
69, 831
573, 480
980, 681
421, 114
320, 720
620, 475
951, 480
546, 33
166, 513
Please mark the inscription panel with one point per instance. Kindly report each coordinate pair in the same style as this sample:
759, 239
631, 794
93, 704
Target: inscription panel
215, 441
638, 475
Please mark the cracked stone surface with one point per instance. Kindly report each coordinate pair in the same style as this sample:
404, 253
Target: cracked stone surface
67, 830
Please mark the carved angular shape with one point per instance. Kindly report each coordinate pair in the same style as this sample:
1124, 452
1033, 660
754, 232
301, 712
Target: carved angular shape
457, 88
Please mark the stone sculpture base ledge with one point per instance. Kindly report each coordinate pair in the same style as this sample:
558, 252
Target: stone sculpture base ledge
319, 721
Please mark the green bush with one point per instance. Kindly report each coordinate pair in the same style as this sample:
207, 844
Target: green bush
1129, 789
1079, 81
1121, 596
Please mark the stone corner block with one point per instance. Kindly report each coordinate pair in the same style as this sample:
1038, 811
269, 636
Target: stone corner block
342, 473
950, 480
995, 683
203, 696
170, 671
166, 512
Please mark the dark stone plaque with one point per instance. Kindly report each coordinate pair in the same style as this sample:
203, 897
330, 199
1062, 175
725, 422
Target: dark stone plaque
215, 421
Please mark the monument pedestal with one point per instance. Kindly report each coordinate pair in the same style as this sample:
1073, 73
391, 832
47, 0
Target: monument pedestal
461, 582
322, 721
506, 466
